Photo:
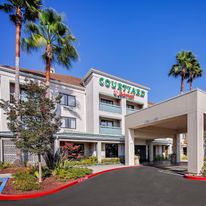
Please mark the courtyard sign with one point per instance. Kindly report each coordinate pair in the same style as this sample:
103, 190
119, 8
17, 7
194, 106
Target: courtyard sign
121, 89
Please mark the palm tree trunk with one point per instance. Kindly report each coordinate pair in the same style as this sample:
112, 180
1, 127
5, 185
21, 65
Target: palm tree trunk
48, 67
17, 61
17, 68
48, 71
182, 85
48, 74
191, 85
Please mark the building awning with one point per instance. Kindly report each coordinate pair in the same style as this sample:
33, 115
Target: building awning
77, 135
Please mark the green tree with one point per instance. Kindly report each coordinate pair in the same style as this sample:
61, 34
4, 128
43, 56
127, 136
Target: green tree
54, 37
19, 12
34, 120
182, 66
194, 72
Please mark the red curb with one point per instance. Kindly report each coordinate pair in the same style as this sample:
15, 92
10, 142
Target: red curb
39, 194
191, 177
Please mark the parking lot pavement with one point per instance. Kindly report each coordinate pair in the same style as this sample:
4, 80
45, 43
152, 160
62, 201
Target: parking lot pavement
141, 186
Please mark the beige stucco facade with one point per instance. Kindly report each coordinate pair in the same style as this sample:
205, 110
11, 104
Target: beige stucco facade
171, 118
101, 103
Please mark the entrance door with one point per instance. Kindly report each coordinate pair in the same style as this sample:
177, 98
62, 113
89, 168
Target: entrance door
140, 150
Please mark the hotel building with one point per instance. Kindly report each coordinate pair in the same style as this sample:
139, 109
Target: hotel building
93, 113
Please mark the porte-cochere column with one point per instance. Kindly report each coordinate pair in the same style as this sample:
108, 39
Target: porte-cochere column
129, 147
195, 125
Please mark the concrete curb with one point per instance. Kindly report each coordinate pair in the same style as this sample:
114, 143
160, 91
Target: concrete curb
191, 177
43, 193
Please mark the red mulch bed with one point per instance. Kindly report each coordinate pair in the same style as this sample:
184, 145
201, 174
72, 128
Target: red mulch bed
9, 170
47, 184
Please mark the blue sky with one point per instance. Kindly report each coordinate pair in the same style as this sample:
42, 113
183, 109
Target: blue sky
133, 39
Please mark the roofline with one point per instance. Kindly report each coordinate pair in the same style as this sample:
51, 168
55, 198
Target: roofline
26, 74
167, 100
92, 70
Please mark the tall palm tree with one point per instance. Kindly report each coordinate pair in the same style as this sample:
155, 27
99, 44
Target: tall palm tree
182, 66
20, 11
194, 72
54, 37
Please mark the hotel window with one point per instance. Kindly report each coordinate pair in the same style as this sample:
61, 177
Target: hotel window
111, 150
69, 122
107, 123
68, 100
107, 101
12, 93
184, 151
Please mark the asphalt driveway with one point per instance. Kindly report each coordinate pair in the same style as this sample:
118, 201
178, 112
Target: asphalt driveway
143, 186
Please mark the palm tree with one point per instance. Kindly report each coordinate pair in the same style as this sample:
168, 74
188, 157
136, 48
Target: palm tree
19, 12
54, 37
182, 66
194, 72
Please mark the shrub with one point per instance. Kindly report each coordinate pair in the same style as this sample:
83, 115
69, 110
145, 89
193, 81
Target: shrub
76, 172
66, 164
115, 160
52, 159
204, 172
184, 157
81, 162
88, 161
72, 173
72, 150
159, 158
204, 169
25, 181
4, 165
45, 172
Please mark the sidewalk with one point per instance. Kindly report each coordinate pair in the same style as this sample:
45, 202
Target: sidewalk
99, 168
6, 175
179, 168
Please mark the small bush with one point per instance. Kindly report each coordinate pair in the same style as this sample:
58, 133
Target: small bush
81, 162
25, 181
88, 161
52, 159
71, 173
66, 164
204, 172
204, 169
4, 165
115, 160
45, 173
159, 158
184, 157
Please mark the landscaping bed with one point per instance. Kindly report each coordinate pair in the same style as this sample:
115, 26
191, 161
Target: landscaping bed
47, 184
24, 180
9, 170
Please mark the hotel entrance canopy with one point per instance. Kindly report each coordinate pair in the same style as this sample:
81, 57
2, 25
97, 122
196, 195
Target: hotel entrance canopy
182, 114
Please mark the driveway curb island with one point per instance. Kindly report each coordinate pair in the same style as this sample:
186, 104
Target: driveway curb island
43, 193
191, 177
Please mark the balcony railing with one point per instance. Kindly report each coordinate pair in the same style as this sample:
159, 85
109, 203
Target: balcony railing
129, 110
110, 108
110, 130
